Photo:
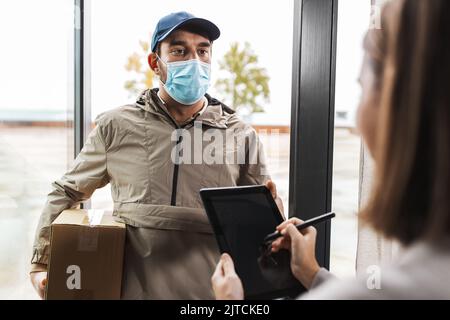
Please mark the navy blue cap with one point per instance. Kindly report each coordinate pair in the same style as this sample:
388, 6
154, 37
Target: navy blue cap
173, 21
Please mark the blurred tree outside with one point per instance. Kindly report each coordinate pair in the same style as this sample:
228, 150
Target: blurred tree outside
142, 74
245, 85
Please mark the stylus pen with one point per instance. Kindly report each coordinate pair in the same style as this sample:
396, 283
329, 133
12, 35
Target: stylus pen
304, 225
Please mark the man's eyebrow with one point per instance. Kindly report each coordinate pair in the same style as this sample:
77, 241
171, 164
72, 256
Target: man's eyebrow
176, 42
204, 44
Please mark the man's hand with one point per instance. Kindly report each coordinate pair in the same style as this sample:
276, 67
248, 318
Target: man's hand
225, 282
39, 281
273, 190
302, 246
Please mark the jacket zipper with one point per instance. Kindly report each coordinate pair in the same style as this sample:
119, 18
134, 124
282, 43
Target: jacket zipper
173, 200
173, 197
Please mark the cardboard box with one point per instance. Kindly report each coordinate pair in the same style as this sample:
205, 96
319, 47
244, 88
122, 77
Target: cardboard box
86, 256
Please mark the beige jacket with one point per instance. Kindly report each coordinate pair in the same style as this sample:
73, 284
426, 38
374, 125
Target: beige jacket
170, 251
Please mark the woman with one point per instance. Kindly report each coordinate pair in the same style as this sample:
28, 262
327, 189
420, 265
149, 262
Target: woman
404, 118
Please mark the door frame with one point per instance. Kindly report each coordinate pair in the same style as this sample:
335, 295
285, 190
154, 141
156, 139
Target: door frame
312, 115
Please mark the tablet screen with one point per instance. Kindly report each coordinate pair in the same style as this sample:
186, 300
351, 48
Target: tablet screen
241, 220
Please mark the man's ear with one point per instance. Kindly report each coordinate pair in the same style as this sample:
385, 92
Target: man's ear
153, 62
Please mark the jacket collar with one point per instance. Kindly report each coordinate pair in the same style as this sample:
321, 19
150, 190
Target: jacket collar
216, 115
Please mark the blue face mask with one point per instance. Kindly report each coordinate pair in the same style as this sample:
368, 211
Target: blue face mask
187, 81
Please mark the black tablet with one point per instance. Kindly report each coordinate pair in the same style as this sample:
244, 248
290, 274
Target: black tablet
241, 218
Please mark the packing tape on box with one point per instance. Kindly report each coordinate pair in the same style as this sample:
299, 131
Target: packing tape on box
95, 216
88, 236
87, 239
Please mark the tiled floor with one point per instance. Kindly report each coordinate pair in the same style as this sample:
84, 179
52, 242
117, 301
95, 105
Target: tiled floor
31, 158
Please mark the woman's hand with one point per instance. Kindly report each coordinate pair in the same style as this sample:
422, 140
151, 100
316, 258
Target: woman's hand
39, 281
302, 246
225, 282
273, 190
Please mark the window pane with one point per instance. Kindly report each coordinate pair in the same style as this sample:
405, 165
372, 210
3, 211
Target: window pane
353, 21
35, 136
118, 45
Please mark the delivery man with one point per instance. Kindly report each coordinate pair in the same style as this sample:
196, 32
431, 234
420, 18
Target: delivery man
156, 154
